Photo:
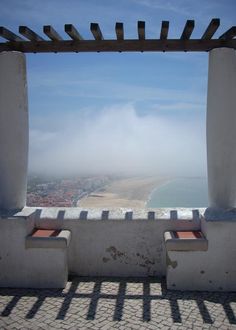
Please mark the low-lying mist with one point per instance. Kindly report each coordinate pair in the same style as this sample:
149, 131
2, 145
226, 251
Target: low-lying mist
117, 140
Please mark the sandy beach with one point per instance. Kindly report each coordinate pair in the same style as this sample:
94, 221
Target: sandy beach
129, 193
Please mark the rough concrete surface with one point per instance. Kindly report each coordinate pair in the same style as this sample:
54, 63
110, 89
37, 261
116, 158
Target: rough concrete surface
221, 133
116, 303
114, 247
211, 270
14, 131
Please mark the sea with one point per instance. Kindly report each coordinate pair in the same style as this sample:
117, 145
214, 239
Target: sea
180, 192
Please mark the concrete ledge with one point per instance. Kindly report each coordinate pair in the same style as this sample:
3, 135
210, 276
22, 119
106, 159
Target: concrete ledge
60, 214
185, 241
44, 238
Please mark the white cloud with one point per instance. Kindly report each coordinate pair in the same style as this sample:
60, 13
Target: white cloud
118, 141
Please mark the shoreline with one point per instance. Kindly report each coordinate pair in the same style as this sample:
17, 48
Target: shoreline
130, 192
159, 186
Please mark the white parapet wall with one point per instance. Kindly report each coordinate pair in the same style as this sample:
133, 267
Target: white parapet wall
115, 243
21, 266
210, 270
13, 130
120, 242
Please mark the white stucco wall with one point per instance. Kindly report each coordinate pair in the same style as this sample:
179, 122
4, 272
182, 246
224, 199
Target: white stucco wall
13, 130
24, 267
117, 247
221, 128
113, 247
211, 270
215, 269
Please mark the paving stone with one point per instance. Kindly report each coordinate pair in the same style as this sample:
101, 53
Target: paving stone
120, 303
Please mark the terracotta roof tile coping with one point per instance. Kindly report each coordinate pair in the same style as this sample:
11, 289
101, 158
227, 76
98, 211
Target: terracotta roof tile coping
188, 234
45, 233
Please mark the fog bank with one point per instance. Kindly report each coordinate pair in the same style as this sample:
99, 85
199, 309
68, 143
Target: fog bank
117, 140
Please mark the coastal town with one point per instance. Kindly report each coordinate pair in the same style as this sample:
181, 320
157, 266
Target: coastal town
92, 191
66, 192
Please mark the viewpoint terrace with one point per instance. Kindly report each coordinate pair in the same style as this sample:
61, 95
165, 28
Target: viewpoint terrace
193, 249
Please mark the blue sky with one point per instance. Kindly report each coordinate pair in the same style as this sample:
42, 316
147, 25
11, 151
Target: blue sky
126, 93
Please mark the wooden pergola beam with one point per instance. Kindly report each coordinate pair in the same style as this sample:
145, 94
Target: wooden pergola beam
8, 35
147, 45
36, 44
51, 33
95, 29
119, 31
230, 34
211, 29
29, 34
72, 32
141, 30
164, 30
188, 29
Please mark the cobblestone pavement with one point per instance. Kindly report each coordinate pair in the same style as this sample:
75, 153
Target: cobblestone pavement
116, 303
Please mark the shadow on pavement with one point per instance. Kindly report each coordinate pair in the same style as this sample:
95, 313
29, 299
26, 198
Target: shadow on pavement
120, 298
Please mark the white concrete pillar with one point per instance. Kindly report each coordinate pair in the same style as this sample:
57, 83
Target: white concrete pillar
221, 128
14, 131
